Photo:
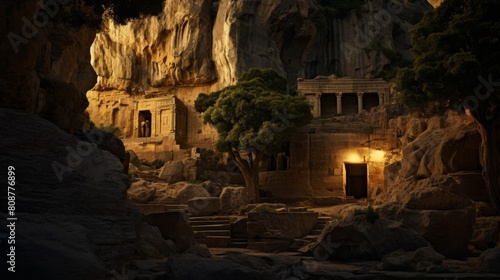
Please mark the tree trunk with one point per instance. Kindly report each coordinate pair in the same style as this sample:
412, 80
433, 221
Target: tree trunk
250, 174
490, 161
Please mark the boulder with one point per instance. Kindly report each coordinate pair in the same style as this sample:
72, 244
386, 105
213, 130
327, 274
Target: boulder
203, 206
181, 193
73, 204
486, 232
174, 226
448, 231
141, 192
281, 225
490, 260
172, 171
355, 238
233, 199
152, 245
190, 170
422, 259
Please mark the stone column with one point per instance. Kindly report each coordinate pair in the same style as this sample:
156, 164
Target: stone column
339, 102
360, 102
380, 99
318, 104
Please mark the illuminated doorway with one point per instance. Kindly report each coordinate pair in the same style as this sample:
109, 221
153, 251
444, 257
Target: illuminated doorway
356, 180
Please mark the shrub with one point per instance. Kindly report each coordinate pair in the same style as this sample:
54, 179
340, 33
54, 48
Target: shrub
371, 214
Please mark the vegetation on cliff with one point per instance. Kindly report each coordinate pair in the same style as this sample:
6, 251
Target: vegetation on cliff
457, 49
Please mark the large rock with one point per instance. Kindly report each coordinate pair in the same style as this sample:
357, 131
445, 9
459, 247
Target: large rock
490, 260
152, 245
281, 225
71, 199
233, 199
172, 171
174, 226
49, 72
172, 49
181, 193
203, 206
486, 232
355, 238
448, 231
421, 259
141, 192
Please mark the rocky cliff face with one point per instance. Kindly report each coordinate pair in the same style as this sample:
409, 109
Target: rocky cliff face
47, 67
436, 185
227, 37
173, 49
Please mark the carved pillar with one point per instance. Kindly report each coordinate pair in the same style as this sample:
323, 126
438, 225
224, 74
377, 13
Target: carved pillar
380, 99
360, 102
318, 104
173, 126
339, 102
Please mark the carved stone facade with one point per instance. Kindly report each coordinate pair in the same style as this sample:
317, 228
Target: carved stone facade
332, 96
342, 158
152, 127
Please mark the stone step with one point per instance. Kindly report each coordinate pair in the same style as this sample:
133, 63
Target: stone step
170, 204
210, 218
204, 233
158, 208
211, 227
211, 222
238, 244
215, 241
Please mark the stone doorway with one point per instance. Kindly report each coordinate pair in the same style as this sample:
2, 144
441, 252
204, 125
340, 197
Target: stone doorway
356, 180
144, 123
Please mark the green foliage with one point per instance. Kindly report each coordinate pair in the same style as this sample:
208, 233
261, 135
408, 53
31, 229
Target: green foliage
454, 45
263, 208
90, 12
255, 115
371, 214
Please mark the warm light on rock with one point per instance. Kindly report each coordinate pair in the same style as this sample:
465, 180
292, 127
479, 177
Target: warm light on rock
354, 157
377, 155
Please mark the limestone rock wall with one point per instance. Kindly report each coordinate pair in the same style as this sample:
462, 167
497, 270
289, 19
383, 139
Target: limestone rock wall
46, 67
173, 49
203, 46
435, 185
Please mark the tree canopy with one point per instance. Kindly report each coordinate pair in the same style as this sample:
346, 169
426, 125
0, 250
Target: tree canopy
455, 45
254, 117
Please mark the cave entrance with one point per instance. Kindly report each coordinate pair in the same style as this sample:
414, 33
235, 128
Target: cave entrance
144, 123
328, 105
356, 180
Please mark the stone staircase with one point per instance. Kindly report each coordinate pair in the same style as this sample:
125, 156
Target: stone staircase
312, 236
215, 232
161, 207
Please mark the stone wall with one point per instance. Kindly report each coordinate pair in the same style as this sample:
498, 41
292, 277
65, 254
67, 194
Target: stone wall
318, 158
